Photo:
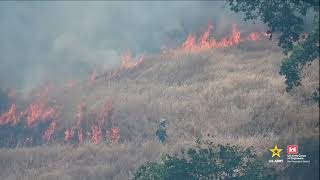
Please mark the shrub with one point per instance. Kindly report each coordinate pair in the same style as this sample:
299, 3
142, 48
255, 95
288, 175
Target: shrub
209, 162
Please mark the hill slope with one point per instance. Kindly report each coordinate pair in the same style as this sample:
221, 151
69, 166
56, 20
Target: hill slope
235, 95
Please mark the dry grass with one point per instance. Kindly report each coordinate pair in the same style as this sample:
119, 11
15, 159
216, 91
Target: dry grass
234, 94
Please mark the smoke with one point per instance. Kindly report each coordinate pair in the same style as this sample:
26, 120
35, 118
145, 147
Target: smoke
41, 41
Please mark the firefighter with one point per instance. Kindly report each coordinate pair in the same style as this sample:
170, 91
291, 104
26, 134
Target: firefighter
161, 132
269, 33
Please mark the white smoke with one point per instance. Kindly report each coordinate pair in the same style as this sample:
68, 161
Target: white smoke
42, 41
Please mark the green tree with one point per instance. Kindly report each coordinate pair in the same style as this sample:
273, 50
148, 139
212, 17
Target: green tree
304, 52
287, 18
207, 163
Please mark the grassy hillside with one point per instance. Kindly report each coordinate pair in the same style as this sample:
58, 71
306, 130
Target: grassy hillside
234, 94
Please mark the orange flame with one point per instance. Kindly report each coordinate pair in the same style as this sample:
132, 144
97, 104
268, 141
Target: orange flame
254, 36
235, 36
49, 132
69, 134
80, 135
80, 113
115, 135
190, 42
205, 42
96, 134
38, 111
128, 62
41, 110
101, 116
10, 117
80, 119
105, 113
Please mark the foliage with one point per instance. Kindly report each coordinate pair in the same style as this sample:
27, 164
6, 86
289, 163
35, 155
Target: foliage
286, 18
209, 162
304, 52
151, 170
